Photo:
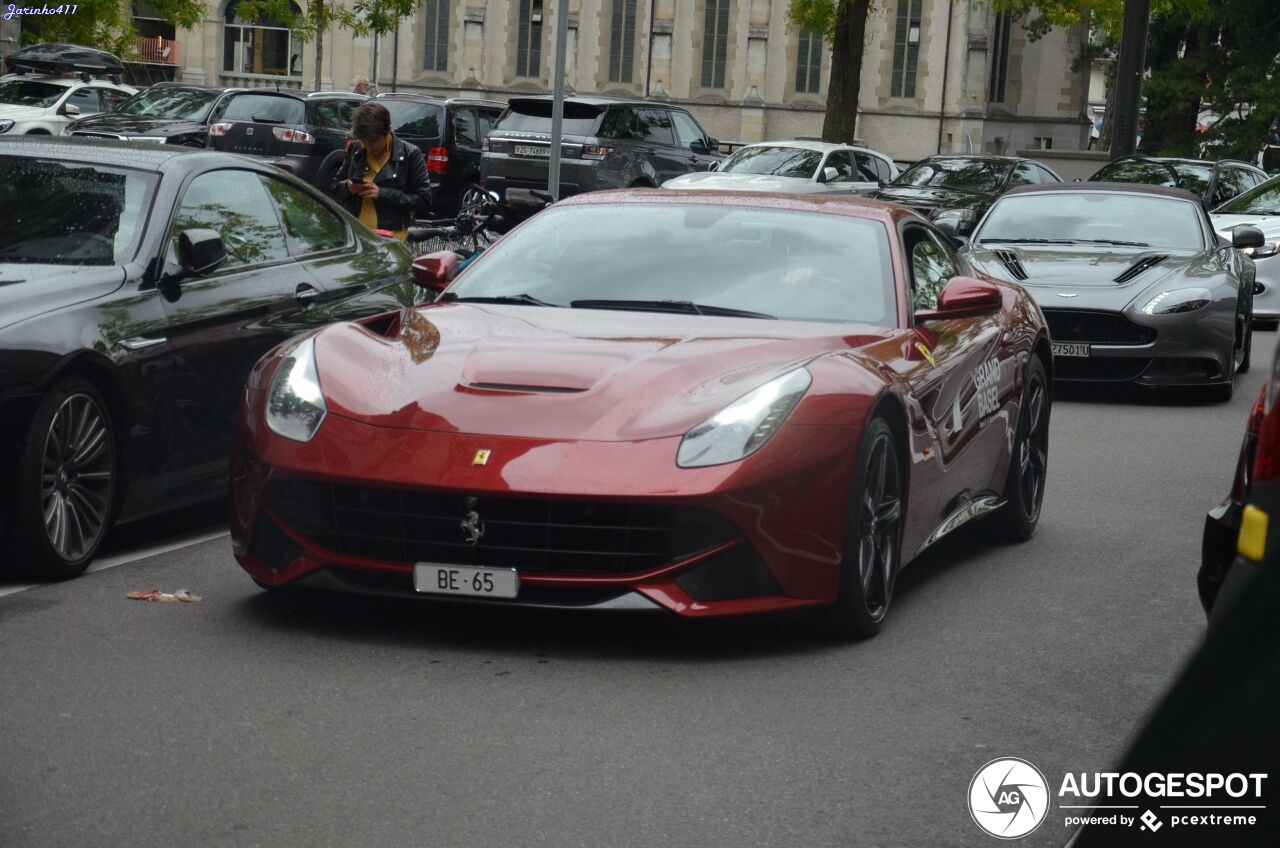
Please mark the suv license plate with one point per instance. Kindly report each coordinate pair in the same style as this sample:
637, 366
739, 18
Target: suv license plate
532, 150
430, 578
1060, 349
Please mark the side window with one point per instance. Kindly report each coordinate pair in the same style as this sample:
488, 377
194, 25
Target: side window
839, 159
1024, 174
883, 171
309, 226
112, 98
932, 265
236, 205
866, 168
464, 127
1229, 185
687, 129
1046, 176
656, 124
86, 99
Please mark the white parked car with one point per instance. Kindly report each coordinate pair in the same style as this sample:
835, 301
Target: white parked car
1259, 207
795, 167
42, 104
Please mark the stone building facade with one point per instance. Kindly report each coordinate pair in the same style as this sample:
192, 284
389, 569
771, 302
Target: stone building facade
937, 75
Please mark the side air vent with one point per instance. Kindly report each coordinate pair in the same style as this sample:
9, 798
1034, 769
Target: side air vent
513, 387
1139, 267
1013, 263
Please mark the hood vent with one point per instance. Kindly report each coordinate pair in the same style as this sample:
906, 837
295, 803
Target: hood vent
1143, 264
1013, 264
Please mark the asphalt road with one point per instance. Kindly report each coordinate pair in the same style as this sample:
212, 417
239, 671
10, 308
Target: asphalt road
249, 720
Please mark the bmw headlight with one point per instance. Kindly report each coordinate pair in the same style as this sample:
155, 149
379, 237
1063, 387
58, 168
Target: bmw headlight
1268, 249
1179, 300
295, 403
742, 427
6, 125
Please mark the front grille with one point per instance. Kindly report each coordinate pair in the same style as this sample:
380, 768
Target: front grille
540, 535
1071, 325
1099, 369
90, 134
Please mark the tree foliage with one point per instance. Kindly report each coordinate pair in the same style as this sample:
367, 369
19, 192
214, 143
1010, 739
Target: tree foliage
108, 24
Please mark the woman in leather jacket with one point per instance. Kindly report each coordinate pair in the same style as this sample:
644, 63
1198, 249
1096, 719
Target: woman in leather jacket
382, 179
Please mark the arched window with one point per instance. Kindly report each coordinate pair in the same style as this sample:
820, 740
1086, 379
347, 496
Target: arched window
259, 47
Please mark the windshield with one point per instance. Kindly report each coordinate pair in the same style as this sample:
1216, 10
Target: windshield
28, 93
268, 108
792, 265
1095, 216
87, 214
420, 120
189, 104
1260, 200
1193, 178
975, 175
777, 161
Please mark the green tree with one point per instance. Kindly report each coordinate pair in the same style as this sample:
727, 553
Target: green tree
317, 16
843, 24
108, 24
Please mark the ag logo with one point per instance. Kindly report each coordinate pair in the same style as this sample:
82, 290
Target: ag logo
1008, 798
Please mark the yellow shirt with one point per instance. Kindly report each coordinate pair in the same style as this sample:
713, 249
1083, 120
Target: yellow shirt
368, 210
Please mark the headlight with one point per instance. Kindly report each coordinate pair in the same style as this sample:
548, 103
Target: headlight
742, 427
960, 216
1270, 249
295, 403
1181, 300
6, 125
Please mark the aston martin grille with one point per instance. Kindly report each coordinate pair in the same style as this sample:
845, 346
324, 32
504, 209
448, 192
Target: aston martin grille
1138, 267
1011, 261
542, 535
1076, 325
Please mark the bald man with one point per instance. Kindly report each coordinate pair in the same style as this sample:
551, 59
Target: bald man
360, 85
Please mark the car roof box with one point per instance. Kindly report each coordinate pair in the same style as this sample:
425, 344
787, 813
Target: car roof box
61, 58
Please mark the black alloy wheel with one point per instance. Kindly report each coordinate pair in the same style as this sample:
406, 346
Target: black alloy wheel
67, 480
1028, 464
873, 537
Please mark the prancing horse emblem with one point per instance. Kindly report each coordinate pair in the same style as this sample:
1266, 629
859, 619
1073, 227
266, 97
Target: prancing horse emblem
472, 526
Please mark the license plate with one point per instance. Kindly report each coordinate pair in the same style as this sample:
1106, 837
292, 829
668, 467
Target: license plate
469, 580
1061, 349
531, 150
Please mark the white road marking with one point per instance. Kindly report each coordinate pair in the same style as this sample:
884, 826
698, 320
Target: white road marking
128, 557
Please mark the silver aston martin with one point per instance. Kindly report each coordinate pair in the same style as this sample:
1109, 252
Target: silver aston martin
1133, 280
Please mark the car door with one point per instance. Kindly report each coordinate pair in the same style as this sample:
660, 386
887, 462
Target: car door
666, 158
957, 364
694, 141
221, 323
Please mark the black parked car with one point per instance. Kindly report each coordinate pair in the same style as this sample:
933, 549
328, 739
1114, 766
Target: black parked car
134, 299
607, 143
1213, 182
450, 133
165, 113
304, 135
958, 190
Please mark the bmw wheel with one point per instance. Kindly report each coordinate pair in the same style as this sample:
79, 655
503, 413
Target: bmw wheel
873, 536
1028, 464
67, 482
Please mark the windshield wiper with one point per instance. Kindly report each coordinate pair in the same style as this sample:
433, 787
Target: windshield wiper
1024, 241
520, 299
668, 306
1112, 241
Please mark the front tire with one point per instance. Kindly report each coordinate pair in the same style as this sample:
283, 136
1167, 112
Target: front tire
873, 537
67, 482
1028, 464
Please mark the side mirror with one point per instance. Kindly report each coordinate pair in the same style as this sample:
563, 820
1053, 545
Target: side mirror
435, 270
829, 174
964, 296
713, 145
1245, 235
71, 110
699, 145
201, 251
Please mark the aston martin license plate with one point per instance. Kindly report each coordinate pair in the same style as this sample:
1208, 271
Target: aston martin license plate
532, 150
434, 579
1061, 349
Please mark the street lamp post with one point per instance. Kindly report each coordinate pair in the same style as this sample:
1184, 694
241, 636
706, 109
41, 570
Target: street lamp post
557, 98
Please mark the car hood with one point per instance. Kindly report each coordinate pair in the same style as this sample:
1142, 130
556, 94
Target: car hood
547, 373
28, 291
1269, 224
743, 182
132, 125
933, 198
22, 113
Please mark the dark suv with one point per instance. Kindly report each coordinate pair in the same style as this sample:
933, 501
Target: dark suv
607, 143
450, 133
165, 113
1214, 182
304, 135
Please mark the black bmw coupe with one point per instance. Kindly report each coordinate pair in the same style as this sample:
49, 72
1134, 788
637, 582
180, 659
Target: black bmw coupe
139, 283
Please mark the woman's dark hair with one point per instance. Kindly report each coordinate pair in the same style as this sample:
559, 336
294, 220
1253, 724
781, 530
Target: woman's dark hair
370, 121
